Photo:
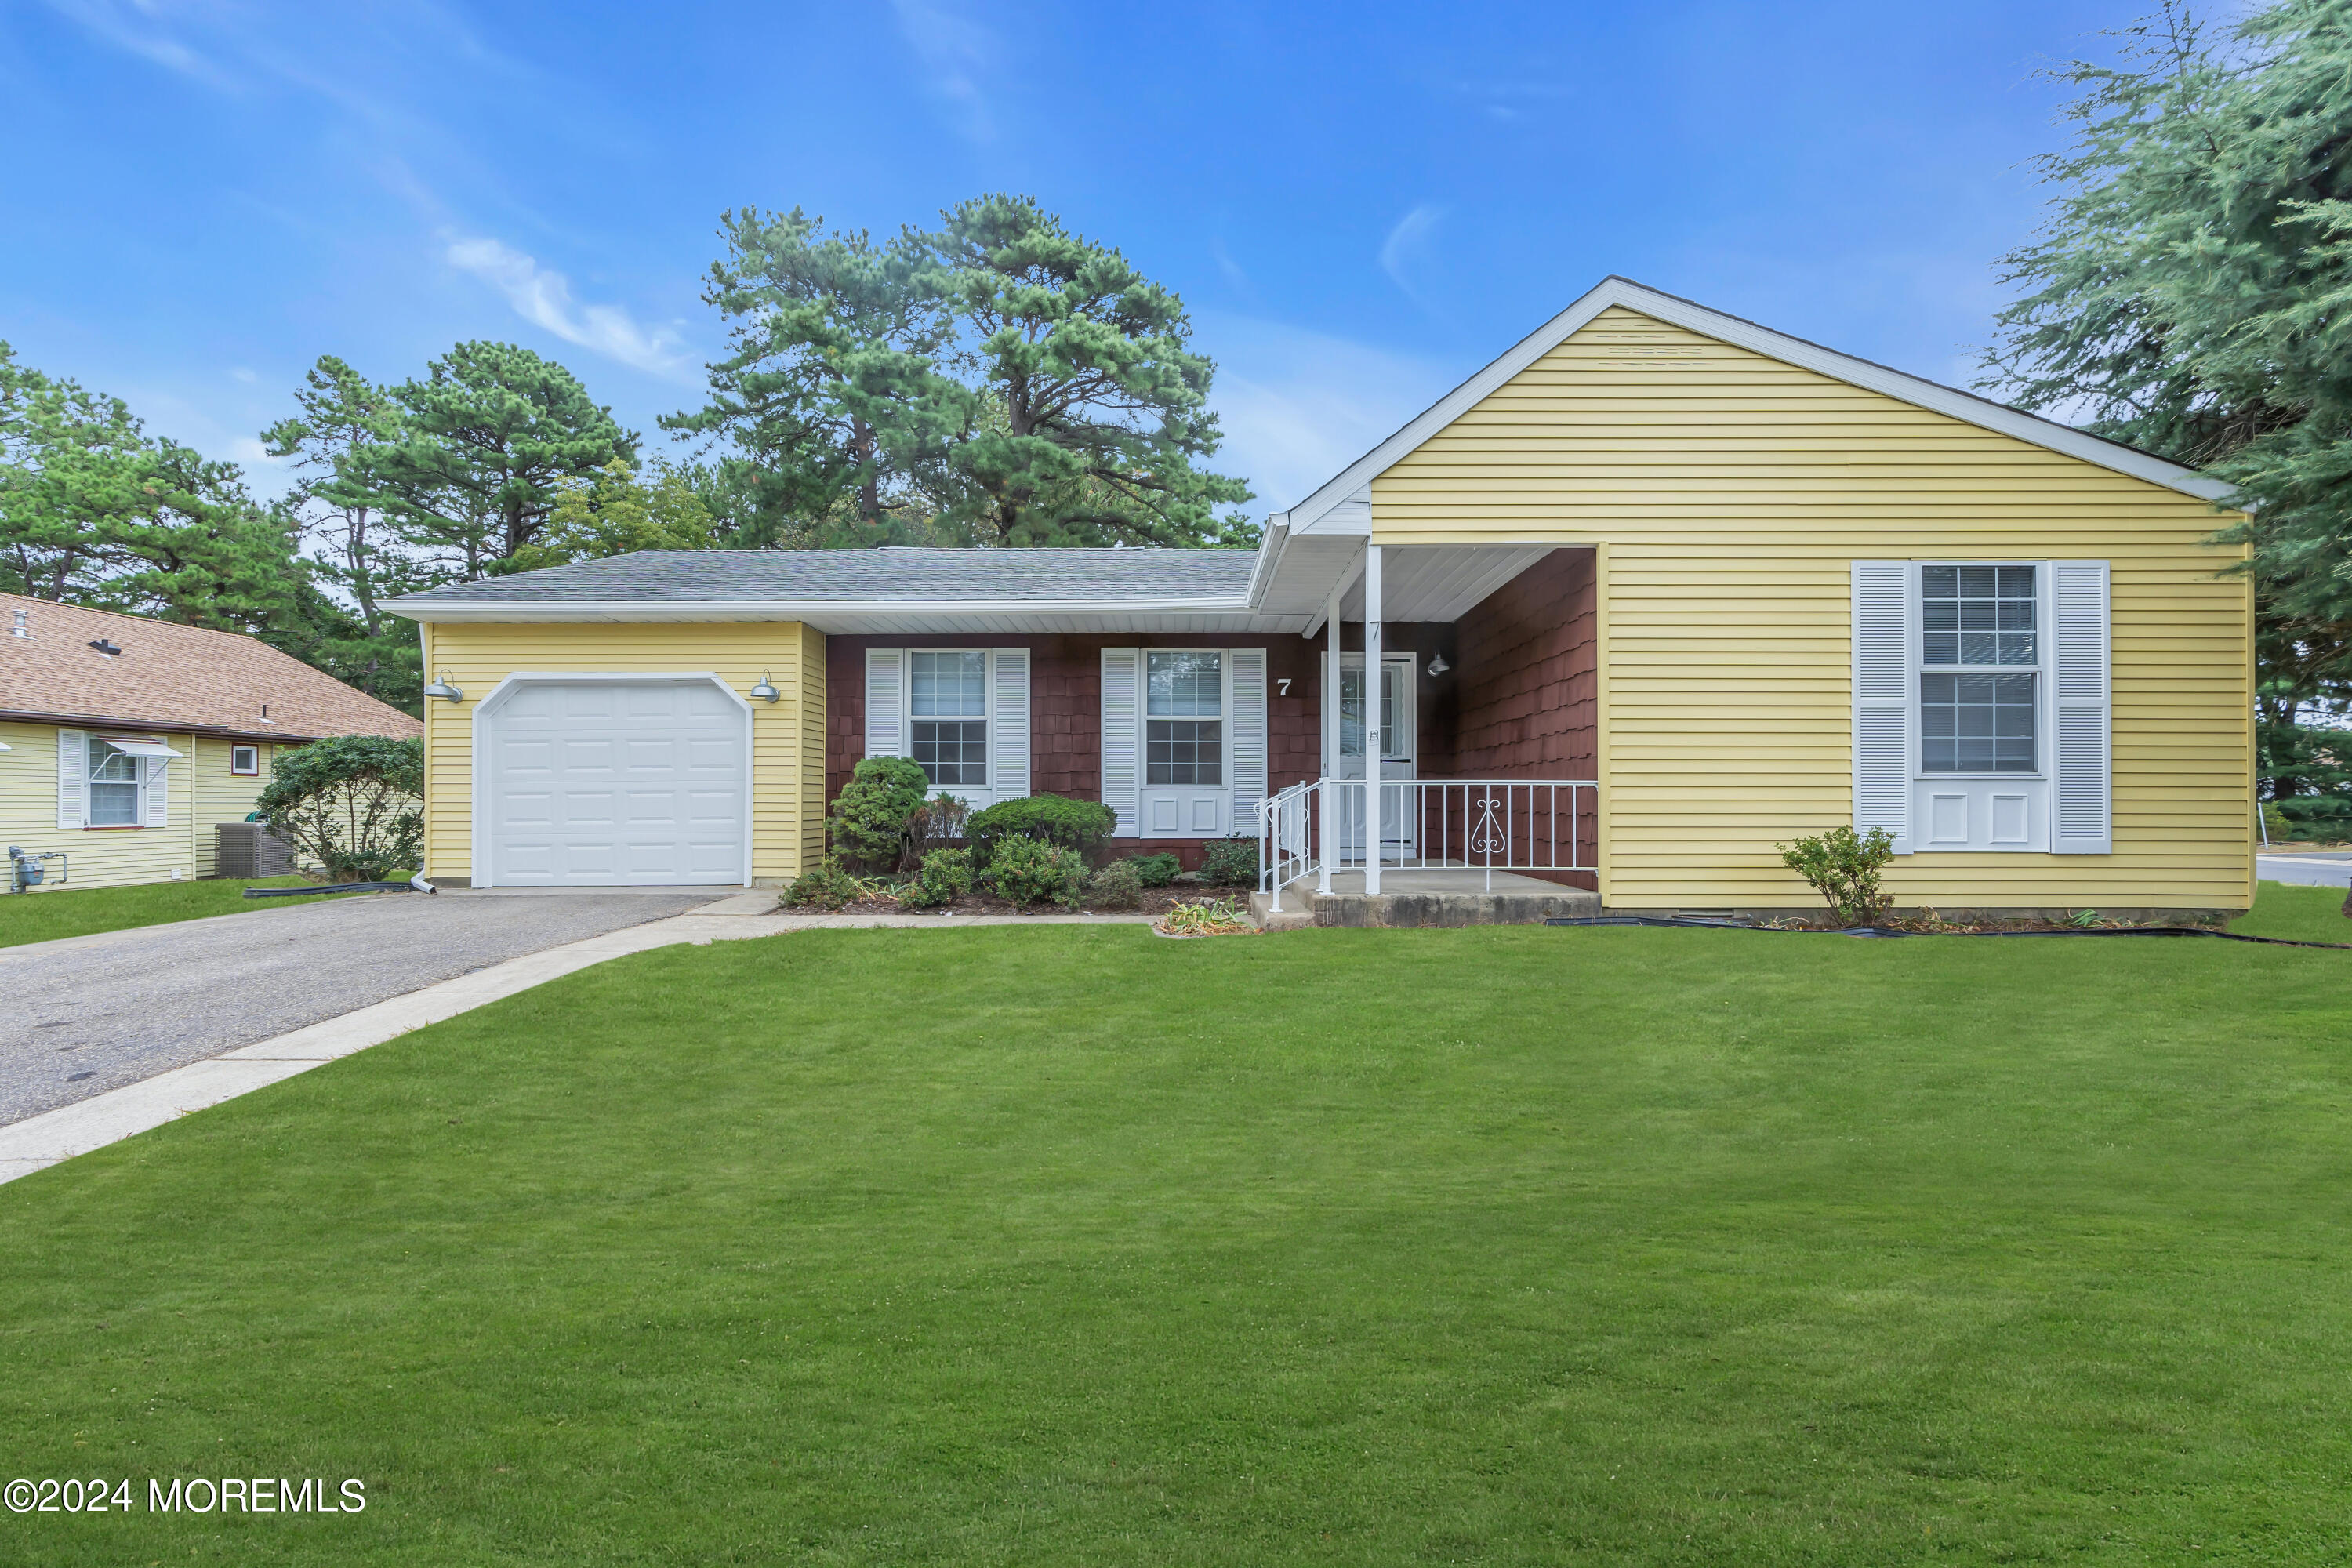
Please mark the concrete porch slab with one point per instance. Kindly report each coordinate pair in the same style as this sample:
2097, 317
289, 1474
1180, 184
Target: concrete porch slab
1433, 897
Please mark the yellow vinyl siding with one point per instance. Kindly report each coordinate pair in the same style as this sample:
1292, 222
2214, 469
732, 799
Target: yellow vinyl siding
97, 857
787, 736
220, 794
1729, 494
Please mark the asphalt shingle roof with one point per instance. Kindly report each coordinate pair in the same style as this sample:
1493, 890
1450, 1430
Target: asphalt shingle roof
853, 576
171, 676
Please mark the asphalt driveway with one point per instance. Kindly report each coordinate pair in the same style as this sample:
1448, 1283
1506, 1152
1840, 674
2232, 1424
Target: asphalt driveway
94, 1013
2321, 869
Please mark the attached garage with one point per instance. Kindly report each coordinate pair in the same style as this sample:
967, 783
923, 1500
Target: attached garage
611, 781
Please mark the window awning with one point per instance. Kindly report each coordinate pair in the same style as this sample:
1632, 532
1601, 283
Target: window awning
141, 746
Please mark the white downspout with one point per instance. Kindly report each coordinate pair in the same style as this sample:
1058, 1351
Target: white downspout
1372, 719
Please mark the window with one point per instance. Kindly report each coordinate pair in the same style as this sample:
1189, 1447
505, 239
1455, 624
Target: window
245, 760
948, 702
1980, 659
1184, 713
113, 781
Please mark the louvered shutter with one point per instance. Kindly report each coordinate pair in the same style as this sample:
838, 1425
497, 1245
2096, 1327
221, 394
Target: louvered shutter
154, 791
1122, 679
1882, 699
886, 702
2081, 813
1008, 730
73, 772
1245, 670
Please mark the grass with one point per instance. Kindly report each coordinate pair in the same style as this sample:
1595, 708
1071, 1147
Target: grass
1073, 1246
40, 916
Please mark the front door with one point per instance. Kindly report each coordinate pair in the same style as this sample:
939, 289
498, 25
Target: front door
1398, 738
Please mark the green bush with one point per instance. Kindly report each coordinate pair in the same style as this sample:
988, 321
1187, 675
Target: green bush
353, 803
1156, 870
872, 814
1229, 862
825, 886
1076, 824
945, 876
1030, 870
1118, 886
1843, 867
939, 820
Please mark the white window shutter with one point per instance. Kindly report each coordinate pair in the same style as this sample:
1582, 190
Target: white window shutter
1122, 739
886, 702
1246, 673
73, 772
154, 791
1883, 643
2081, 814
1008, 729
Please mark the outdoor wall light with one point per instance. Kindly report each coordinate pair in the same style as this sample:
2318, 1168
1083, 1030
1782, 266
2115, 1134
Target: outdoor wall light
1437, 665
766, 690
442, 689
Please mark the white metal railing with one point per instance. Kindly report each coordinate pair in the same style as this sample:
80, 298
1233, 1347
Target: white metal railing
1478, 825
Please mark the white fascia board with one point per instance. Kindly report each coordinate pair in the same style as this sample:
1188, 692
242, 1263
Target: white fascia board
791, 610
1677, 311
1269, 558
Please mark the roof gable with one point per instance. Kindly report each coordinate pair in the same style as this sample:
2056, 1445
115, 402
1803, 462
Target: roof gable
1342, 504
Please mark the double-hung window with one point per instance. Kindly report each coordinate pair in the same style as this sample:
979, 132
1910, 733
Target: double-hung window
1184, 719
111, 798
1980, 669
948, 708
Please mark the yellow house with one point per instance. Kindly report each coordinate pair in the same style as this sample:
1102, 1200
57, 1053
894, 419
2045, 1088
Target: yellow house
125, 742
1653, 593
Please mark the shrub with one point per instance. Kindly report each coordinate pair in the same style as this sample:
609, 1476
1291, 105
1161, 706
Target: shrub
1843, 867
353, 803
825, 886
1229, 862
1030, 870
1156, 870
872, 814
1076, 824
939, 820
1118, 886
945, 876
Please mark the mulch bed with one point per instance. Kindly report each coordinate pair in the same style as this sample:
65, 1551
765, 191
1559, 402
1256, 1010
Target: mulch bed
1155, 901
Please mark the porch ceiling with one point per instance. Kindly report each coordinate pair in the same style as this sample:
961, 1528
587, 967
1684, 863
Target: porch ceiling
1440, 582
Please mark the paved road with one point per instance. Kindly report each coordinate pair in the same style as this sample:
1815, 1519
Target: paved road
90, 1014
2321, 870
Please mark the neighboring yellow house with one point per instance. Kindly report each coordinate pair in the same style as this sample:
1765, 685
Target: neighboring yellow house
1653, 593
128, 740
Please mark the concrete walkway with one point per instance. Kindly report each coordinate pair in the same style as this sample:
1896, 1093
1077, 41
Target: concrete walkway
109, 1117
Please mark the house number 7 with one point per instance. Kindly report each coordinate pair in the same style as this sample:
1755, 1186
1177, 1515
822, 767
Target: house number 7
1284, 683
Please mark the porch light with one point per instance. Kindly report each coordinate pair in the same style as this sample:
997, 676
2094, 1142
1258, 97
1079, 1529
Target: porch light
442, 689
766, 690
1437, 665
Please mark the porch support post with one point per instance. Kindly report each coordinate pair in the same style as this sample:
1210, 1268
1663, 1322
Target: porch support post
1327, 831
1373, 747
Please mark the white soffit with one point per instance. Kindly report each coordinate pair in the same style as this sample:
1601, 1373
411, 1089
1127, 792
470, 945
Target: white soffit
1334, 507
1432, 583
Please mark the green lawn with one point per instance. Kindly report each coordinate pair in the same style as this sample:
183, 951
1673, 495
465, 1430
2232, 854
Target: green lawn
1072, 1246
43, 914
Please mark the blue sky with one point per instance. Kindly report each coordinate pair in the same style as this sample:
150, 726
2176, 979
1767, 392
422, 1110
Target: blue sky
1361, 203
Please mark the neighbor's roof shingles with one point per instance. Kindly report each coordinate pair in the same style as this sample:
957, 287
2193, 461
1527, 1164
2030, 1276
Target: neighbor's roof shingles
173, 678
855, 576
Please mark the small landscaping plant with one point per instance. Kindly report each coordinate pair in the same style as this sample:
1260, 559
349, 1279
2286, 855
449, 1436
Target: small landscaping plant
945, 876
1844, 866
353, 803
1219, 916
827, 885
873, 813
1118, 886
938, 821
1078, 826
1229, 863
1030, 871
1156, 870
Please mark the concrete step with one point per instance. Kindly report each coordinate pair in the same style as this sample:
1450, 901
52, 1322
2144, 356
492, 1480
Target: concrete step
1526, 903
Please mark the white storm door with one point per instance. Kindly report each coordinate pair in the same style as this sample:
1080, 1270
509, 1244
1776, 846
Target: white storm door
618, 783
1399, 755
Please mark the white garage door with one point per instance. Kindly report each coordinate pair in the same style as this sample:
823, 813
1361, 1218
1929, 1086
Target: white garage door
617, 782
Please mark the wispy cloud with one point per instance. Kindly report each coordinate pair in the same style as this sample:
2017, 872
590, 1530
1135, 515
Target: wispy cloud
955, 53
1297, 406
141, 30
543, 297
1407, 249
